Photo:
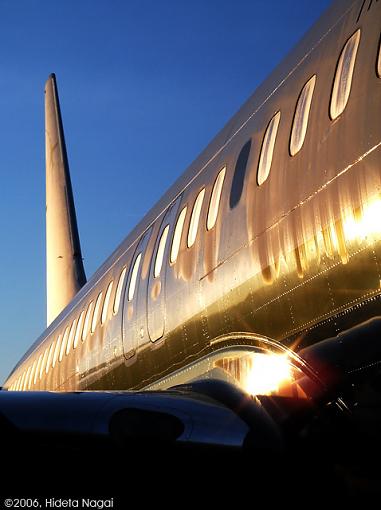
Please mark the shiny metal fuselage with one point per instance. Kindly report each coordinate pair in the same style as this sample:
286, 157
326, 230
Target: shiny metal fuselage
297, 260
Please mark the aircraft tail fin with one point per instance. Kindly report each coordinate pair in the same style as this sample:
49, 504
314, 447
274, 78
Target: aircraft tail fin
65, 274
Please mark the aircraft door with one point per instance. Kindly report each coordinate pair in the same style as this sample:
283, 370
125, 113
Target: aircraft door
156, 310
134, 306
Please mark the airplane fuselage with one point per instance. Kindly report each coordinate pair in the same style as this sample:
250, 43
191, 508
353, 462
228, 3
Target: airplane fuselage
295, 257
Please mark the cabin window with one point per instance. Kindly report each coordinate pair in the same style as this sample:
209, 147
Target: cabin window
239, 175
26, 383
30, 378
160, 252
42, 368
78, 329
71, 336
37, 369
177, 235
118, 293
195, 218
49, 360
267, 149
86, 326
302, 112
134, 276
106, 302
42, 365
56, 350
22, 381
215, 199
32, 372
343, 76
96, 312
64, 343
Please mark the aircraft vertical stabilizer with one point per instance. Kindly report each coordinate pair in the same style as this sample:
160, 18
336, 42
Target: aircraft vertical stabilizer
65, 273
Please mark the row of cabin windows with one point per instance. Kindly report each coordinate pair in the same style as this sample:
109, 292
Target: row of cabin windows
214, 205
79, 329
89, 318
339, 99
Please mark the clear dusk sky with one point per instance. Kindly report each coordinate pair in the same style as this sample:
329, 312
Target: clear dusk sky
144, 85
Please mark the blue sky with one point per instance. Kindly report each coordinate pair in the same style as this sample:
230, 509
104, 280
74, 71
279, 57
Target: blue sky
144, 85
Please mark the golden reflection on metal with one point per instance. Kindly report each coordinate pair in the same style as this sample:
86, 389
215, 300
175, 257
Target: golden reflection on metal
156, 289
365, 227
354, 228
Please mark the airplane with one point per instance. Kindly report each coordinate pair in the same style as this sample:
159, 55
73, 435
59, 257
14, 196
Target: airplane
242, 312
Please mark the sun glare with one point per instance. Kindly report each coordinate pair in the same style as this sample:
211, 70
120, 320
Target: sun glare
267, 373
